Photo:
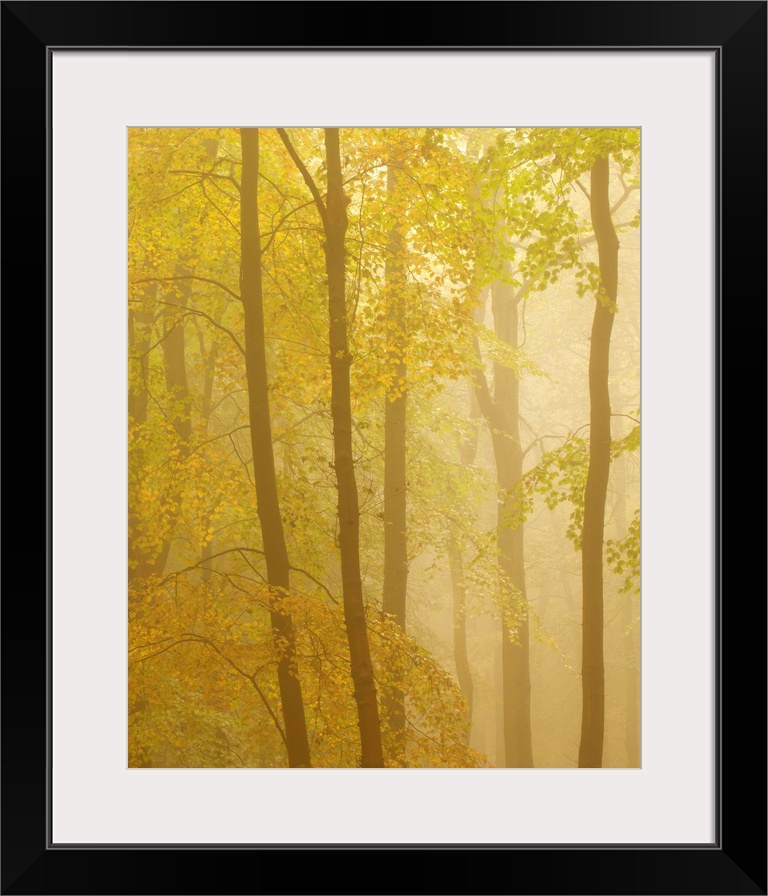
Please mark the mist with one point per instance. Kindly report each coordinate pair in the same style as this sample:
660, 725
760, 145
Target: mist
384, 448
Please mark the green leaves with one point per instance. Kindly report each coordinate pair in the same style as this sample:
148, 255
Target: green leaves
560, 477
623, 556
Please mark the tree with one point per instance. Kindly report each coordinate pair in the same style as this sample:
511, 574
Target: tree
394, 589
468, 453
275, 551
502, 412
592, 667
333, 213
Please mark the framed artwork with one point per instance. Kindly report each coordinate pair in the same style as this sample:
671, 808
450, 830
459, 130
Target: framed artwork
94, 88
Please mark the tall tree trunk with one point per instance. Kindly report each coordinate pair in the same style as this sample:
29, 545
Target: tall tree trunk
592, 660
333, 213
349, 510
175, 367
209, 375
140, 564
275, 551
456, 566
139, 328
395, 501
509, 465
175, 364
460, 655
174, 355
143, 564
502, 415
499, 758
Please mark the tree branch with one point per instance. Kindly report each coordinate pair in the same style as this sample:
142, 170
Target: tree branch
488, 406
190, 277
627, 190
251, 678
209, 318
273, 233
308, 180
583, 189
241, 550
208, 174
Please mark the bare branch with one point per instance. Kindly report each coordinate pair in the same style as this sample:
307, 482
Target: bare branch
308, 179
488, 406
624, 196
208, 174
209, 318
273, 233
583, 189
190, 277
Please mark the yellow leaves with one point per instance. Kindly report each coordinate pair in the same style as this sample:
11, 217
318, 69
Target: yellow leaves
411, 332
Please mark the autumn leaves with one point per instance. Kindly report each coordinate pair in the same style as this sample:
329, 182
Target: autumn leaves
304, 344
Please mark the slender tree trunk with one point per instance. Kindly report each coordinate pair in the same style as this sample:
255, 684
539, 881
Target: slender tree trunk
139, 328
175, 367
460, 655
349, 510
275, 551
395, 544
395, 507
502, 415
209, 374
456, 566
140, 565
333, 213
500, 759
175, 363
509, 464
592, 660
174, 356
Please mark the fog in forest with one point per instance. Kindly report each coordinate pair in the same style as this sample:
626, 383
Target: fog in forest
384, 447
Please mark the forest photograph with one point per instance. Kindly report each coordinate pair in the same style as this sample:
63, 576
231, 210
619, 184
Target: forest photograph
383, 447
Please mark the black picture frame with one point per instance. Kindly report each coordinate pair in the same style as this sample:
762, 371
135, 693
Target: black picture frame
736, 862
